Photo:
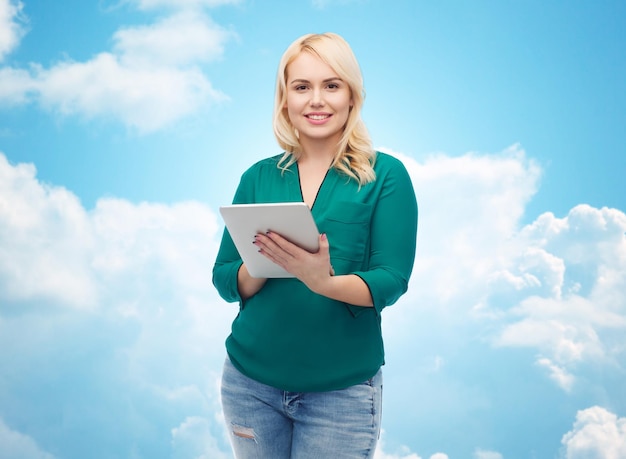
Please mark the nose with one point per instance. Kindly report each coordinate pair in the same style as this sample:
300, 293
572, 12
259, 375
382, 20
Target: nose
317, 98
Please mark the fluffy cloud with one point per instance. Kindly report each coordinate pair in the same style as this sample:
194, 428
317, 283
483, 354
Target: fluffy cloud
575, 308
113, 312
150, 79
11, 26
596, 433
194, 439
470, 207
556, 285
486, 287
402, 453
16, 86
469, 210
14, 445
181, 39
45, 236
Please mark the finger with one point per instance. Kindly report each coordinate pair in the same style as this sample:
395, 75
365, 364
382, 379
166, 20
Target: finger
325, 251
271, 249
324, 245
276, 240
271, 256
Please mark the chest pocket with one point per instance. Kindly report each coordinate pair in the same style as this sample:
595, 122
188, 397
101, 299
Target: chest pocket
347, 225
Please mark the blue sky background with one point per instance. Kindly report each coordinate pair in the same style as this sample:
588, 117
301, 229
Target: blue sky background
124, 124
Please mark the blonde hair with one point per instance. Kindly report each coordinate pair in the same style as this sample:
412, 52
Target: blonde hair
355, 155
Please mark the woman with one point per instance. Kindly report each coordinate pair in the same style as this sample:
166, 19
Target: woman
302, 378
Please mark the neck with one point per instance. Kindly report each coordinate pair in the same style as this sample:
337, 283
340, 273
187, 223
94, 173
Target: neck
318, 151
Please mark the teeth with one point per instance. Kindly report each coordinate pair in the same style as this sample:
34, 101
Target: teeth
318, 117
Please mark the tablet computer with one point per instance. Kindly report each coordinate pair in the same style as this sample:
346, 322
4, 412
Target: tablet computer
292, 220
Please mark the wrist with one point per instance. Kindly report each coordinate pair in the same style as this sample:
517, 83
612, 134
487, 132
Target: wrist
323, 286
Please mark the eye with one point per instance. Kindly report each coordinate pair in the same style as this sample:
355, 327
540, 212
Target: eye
333, 86
300, 87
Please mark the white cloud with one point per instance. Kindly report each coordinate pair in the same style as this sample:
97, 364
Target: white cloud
16, 445
16, 86
558, 374
142, 98
113, 312
194, 439
538, 270
45, 235
485, 454
578, 307
470, 207
11, 26
491, 296
402, 452
469, 210
150, 79
180, 39
597, 433
557, 285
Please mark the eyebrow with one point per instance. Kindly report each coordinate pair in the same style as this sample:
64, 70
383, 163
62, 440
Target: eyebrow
327, 80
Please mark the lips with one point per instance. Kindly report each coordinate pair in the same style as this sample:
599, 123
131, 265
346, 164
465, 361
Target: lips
318, 116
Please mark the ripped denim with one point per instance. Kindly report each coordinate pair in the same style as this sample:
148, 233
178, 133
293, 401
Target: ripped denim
267, 423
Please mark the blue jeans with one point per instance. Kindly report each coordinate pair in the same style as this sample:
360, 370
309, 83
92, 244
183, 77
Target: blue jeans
268, 423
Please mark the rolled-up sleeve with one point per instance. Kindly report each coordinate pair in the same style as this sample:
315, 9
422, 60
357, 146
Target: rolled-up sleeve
225, 270
228, 260
392, 238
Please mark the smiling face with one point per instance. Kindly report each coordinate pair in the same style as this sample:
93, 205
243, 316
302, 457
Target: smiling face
318, 101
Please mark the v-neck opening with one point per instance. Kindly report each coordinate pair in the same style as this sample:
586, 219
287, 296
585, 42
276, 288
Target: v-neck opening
319, 188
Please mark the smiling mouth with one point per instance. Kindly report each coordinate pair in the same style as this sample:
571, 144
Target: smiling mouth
318, 117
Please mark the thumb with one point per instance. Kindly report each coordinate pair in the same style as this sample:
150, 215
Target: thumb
324, 250
324, 246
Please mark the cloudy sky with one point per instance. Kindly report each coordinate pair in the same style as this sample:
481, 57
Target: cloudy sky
124, 124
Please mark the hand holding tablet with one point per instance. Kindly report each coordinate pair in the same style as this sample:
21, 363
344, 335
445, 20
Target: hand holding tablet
292, 220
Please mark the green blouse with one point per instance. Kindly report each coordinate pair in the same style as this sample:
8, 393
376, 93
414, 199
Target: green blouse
290, 338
